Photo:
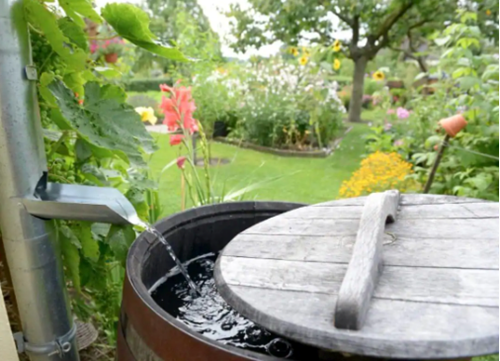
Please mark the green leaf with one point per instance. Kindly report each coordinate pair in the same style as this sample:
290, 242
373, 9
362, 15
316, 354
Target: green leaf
442, 41
132, 23
45, 80
468, 82
75, 82
110, 91
67, 235
74, 32
82, 150
58, 119
90, 247
119, 239
46, 21
108, 72
78, 9
105, 123
71, 258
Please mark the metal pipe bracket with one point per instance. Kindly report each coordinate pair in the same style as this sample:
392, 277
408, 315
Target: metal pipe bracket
59, 346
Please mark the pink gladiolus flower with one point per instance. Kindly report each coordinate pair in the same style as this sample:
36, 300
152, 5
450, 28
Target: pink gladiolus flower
390, 111
165, 88
402, 113
180, 162
176, 139
178, 109
399, 143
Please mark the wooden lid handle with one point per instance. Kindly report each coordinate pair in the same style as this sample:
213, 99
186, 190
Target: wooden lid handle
366, 261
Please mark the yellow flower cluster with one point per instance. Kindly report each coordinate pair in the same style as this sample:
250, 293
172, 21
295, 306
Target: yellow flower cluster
378, 172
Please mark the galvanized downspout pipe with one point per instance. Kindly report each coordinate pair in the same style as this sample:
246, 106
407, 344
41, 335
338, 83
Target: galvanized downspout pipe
32, 255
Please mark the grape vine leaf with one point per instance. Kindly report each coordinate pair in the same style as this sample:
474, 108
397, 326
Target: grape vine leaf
82, 150
69, 247
105, 123
76, 9
90, 247
132, 23
74, 33
119, 239
41, 18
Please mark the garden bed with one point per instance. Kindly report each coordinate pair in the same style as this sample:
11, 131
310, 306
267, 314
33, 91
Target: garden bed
315, 153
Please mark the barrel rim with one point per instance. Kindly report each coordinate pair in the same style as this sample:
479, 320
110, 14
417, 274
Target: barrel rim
144, 242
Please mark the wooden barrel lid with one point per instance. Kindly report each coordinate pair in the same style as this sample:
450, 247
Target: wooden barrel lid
335, 276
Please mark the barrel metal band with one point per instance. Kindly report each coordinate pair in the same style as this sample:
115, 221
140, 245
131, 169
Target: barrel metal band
59, 347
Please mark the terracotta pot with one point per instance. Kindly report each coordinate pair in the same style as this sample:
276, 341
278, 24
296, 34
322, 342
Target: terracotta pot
453, 125
111, 58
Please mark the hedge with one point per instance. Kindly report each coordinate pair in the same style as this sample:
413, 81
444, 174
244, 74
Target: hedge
144, 85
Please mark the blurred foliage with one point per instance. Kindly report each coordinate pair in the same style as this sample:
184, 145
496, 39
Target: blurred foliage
184, 21
468, 84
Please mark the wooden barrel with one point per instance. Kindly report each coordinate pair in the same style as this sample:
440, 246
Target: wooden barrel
147, 332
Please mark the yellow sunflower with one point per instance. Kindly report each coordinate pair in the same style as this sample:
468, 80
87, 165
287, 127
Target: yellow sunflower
294, 51
336, 46
378, 75
303, 60
488, 12
336, 64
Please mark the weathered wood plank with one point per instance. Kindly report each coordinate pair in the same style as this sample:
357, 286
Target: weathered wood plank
365, 266
437, 296
423, 228
8, 351
412, 252
430, 285
425, 211
406, 199
394, 329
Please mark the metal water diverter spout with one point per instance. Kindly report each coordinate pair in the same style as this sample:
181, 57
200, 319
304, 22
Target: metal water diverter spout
80, 203
26, 199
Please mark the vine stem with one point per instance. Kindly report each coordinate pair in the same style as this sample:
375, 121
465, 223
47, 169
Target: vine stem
56, 146
46, 60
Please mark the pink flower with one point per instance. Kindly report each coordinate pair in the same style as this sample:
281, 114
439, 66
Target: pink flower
390, 111
402, 113
165, 88
387, 127
93, 47
399, 143
107, 42
180, 162
176, 139
178, 109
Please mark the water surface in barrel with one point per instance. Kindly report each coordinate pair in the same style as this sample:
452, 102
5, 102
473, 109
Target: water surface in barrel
212, 317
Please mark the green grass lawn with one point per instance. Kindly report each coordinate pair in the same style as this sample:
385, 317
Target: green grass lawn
295, 179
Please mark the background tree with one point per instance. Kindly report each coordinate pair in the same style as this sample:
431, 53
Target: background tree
184, 21
373, 25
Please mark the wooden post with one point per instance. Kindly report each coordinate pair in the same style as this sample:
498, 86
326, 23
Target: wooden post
8, 350
436, 164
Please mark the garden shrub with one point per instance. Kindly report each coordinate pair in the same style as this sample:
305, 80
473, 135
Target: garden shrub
288, 105
470, 164
142, 100
371, 86
144, 85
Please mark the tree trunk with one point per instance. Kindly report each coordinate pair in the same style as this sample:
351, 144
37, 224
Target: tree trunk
357, 89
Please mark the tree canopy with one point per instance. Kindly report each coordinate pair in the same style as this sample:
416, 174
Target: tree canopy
372, 24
